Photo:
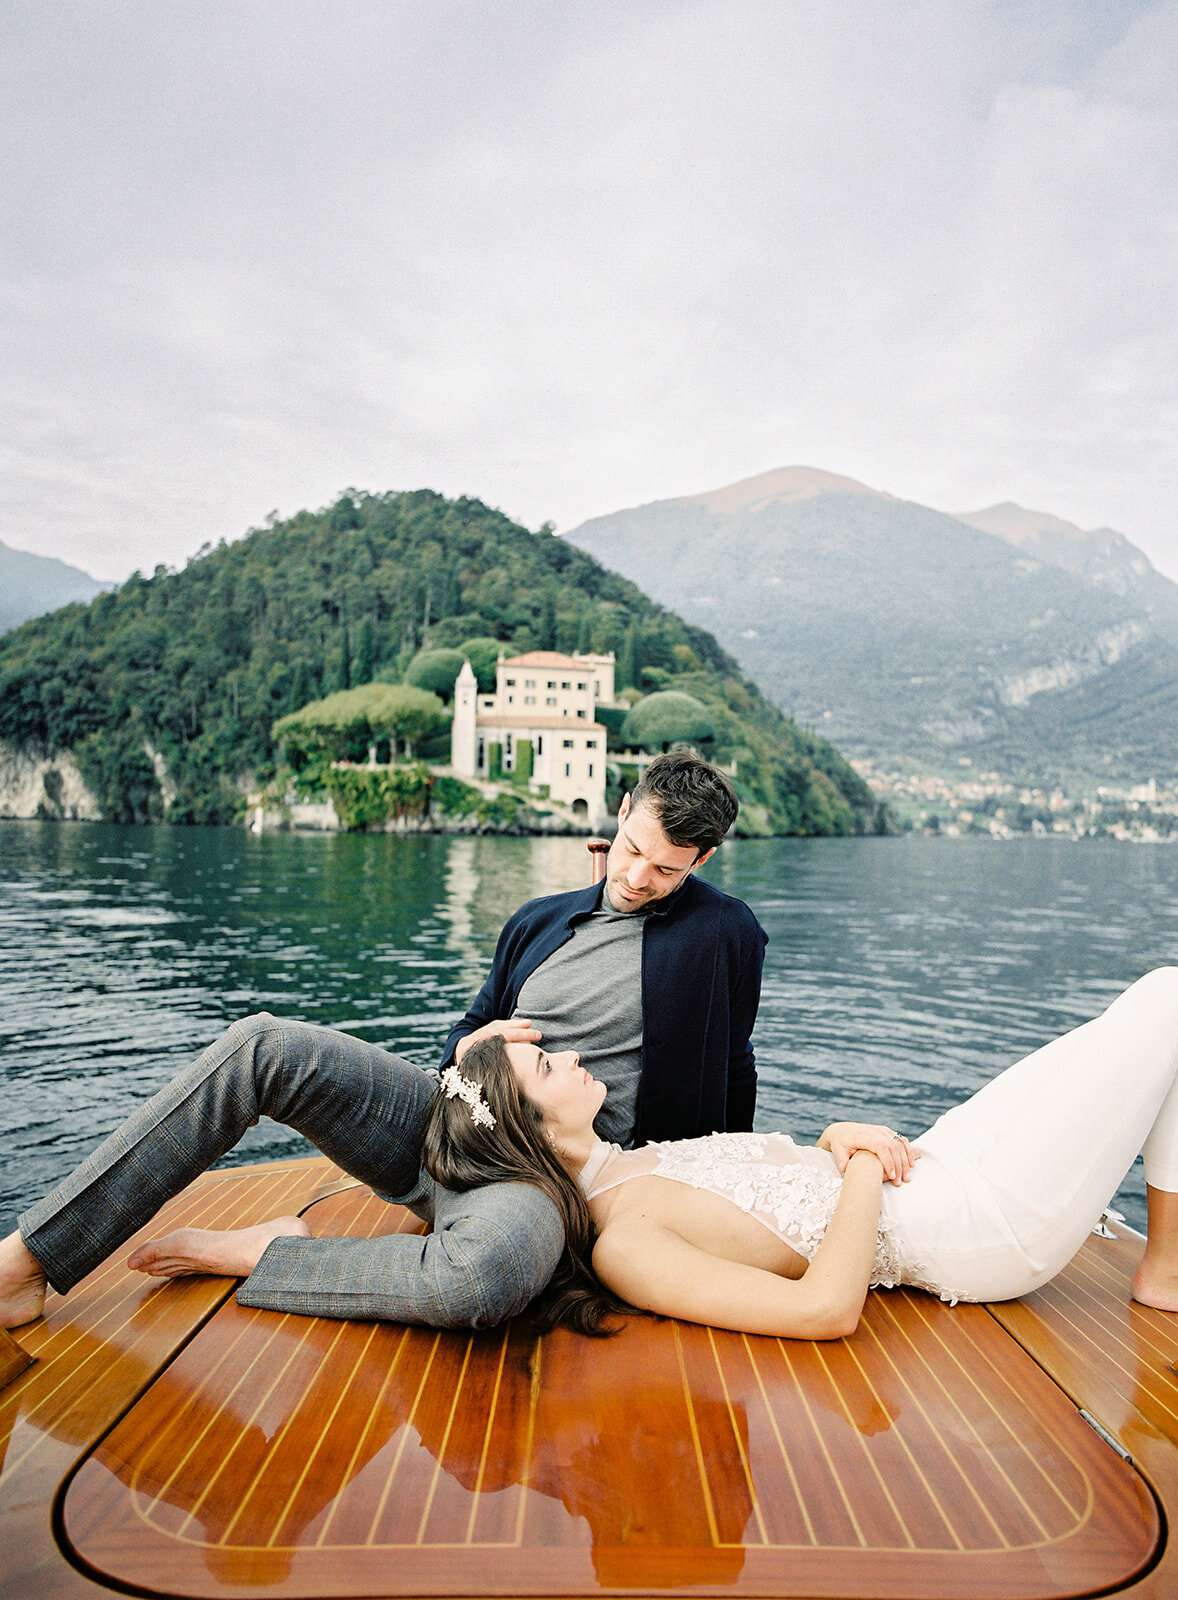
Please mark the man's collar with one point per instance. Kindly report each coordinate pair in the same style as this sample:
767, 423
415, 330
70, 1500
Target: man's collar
663, 908
586, 903
593, 895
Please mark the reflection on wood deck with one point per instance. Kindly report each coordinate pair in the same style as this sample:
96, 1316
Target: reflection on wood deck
930, 1454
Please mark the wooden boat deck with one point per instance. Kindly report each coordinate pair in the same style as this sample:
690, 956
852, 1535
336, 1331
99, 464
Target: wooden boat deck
168, 1441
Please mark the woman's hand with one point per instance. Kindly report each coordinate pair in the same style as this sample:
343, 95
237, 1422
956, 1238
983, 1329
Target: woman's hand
896, 1155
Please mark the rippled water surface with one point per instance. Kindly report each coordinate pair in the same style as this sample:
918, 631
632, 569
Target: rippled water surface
900, 974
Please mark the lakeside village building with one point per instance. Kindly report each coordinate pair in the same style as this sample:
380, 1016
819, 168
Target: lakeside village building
539, 724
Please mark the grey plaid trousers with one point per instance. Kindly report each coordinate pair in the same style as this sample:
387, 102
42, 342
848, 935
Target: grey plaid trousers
490, 1251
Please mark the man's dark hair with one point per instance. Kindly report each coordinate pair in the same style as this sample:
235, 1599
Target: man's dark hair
693, 800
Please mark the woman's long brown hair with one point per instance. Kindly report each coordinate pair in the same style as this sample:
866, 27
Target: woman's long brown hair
462, 1154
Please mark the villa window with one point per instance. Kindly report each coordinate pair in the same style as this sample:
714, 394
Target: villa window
550, 700
529, 699
539, 744
569, 744
591, 744
568, 771
529, 683
591, 769
583, 714
552, 683
510, 682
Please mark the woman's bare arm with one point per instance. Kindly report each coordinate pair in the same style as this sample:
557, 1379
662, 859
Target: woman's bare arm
842, 1139
653, 1267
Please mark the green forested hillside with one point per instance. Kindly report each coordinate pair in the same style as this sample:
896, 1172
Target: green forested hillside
194, 667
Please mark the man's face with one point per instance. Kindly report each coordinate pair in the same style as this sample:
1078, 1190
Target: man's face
643, 865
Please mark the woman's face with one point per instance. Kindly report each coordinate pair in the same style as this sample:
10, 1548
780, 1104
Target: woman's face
557, 1083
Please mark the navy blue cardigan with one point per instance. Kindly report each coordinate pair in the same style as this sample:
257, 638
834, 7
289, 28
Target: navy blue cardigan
701, 982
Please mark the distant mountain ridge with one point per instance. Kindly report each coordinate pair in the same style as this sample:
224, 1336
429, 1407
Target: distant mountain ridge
1003, 636
32, 585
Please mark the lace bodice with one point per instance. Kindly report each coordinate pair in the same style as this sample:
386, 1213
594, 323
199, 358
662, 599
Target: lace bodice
791, 1189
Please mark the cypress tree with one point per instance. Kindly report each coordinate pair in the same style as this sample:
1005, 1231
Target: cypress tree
547, 624
343, 676
630, 663
362, 665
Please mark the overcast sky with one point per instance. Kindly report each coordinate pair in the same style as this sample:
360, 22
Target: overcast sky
572, 257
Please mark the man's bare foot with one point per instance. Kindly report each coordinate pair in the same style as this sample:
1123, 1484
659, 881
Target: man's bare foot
1155, 1286
22, 1284
230, 1253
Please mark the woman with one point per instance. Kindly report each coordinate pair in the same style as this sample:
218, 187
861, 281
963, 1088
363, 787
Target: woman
755, 1233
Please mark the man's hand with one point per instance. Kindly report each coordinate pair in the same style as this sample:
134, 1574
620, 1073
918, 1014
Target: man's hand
895, 1154
516, 1030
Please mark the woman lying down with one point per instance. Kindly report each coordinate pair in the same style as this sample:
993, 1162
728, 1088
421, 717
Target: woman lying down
756, 1233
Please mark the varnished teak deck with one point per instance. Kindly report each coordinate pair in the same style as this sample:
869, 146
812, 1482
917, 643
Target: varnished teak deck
931, 1454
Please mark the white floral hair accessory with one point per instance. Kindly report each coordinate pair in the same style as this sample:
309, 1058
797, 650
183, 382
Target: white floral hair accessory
470, 1093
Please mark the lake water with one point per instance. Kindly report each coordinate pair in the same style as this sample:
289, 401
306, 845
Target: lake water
900, 974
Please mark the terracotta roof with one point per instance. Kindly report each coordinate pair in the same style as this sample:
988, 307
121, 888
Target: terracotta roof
518, 719
546, 658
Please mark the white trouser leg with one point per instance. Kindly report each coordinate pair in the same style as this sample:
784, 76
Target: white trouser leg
1041, 1149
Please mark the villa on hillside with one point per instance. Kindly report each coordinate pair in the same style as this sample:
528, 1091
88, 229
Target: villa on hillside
540, 724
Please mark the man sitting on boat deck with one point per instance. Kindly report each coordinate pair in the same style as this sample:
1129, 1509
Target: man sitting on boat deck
653, 975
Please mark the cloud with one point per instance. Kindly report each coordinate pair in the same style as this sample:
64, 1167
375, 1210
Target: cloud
572, 258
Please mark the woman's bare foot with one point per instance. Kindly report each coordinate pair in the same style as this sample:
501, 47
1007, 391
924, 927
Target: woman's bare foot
1155, 1286
22, 1284
230, 1253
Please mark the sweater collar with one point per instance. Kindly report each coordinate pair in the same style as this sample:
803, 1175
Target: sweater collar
588, 899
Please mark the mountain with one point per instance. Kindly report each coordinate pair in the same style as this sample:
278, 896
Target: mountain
1007, 639
1101, 555
165, 692
31, 585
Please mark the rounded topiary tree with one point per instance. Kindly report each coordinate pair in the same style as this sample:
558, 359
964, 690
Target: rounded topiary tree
402, 711
435, 671
670, 717
345, 724
483, 655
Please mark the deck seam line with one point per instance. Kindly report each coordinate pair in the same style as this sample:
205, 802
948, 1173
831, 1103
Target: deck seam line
478, 1485
344, 1391
404, 1431
755, 1364
370, 1423
1003, 1423
817, 1432
188, 1405
440, 1454
343, 1395
740, 1449
228, 1456
275, 1444
701, 1466
966, 1422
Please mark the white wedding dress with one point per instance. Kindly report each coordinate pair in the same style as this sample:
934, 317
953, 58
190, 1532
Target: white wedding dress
1008, 1183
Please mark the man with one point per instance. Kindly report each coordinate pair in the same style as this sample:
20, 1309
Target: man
654, 981
666, 971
